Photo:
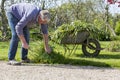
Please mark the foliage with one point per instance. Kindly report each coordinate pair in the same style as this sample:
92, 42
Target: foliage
4, 26
114, 46
73, 29
115, 38
35, 33
0, 35
117, 27
88, 11
7, 37
75, 10
40, 56
104, 36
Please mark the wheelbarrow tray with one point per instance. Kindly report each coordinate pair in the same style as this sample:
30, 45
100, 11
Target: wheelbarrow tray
75, 39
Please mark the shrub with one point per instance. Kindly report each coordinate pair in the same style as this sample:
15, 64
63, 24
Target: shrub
114, 46
117, 28
104, 36
113, 38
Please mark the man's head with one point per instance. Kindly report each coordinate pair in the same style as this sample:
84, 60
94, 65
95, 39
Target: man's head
44, 17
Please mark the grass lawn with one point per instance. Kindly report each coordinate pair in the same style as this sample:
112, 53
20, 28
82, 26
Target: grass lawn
3, 50
104, 59
4, 47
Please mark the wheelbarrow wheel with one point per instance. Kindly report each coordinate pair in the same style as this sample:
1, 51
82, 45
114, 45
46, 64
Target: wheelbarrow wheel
91, 48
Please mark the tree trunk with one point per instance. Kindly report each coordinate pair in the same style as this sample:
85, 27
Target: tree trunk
43, 5
111, 29
107, 22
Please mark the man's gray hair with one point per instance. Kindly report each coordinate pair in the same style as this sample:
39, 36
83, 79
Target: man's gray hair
45, 15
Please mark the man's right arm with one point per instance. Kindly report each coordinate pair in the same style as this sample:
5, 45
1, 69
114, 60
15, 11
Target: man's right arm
23, 41
19, 29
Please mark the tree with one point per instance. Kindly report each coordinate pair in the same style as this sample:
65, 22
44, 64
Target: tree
117, 28
3, 26
107, 21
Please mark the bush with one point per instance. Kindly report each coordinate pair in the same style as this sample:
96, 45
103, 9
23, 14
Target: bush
36, 36
117, 28
113, 38
114, 46
104, 36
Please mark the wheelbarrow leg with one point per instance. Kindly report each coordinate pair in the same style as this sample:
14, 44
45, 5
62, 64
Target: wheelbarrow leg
69, 51
66, 49
73, 50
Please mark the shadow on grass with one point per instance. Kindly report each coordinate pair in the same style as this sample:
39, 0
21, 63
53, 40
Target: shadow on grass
3, 58
102, 56
105, 56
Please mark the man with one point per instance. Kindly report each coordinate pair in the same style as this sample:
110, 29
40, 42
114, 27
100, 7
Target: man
19, 17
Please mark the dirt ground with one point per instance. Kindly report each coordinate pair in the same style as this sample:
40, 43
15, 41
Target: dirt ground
56, 72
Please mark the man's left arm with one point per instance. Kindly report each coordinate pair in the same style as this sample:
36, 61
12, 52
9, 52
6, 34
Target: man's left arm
44, 28
46, 45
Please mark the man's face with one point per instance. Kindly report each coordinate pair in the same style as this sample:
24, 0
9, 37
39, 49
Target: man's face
41, 21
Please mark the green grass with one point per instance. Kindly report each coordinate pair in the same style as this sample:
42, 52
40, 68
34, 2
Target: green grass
37, 54
4, 47
3, 50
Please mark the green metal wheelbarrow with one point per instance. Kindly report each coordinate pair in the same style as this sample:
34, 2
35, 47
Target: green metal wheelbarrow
90, 46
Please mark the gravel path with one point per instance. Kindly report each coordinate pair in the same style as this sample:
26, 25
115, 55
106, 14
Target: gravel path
56, 72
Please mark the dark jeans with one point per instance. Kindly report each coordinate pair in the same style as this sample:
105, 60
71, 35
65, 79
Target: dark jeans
12, 20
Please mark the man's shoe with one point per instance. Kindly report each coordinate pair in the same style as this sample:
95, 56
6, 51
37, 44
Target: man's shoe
13, 62
26, 61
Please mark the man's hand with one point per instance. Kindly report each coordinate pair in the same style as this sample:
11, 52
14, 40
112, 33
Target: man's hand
48, 49
23, 41
24, 45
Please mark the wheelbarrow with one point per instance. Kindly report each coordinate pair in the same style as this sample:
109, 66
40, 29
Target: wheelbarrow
90, 46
